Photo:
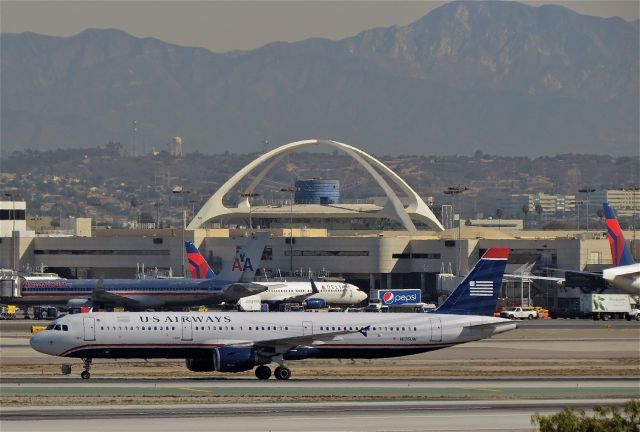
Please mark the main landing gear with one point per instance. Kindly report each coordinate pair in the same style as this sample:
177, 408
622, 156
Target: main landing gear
281, 372
86, 365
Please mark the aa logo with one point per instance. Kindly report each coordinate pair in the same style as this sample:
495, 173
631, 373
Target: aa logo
241, 263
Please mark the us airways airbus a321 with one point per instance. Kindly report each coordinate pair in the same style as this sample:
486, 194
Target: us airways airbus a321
237, 341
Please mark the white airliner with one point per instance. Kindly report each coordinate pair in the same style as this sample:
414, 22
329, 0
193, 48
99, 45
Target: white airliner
335, 293
236, 341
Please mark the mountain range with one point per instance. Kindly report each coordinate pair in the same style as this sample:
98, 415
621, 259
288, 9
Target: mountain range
501, 77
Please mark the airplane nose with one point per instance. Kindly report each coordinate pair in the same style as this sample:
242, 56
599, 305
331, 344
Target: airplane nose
36, 342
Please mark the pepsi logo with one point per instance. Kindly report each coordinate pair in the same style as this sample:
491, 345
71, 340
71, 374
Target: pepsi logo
387, 297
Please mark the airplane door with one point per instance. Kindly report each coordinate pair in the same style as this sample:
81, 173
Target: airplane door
307, 328
436, 330
89, 329
187, 331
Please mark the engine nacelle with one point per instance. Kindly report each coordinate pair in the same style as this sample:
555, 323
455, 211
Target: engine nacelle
200, 364
234, 359
316, 303
301, 354
79, 302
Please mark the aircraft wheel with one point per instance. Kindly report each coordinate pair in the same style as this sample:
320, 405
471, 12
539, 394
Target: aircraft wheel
605, 317
282, 373
85, 375
263, 372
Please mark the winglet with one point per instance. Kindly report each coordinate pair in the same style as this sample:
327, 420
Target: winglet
620, 252
314, 287
364, 330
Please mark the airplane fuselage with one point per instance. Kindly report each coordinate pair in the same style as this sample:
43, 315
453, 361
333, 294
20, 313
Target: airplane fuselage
194, 334
144, 292
336, 293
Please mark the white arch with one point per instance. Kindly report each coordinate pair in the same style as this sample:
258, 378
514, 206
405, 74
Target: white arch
214, 207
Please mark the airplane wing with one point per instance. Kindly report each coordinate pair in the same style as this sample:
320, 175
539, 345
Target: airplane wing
533, 277
233, 292
100, 296
278, 346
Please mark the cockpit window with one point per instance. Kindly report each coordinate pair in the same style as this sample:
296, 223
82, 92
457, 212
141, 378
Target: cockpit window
65, 327
57, 327
50, 327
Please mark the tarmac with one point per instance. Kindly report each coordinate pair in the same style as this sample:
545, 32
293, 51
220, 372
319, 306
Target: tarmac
494, 384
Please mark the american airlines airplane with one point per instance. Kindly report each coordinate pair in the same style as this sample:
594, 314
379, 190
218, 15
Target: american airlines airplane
205, 289
236, 341
335, 293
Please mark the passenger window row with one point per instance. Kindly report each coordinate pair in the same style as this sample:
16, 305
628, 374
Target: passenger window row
386, 328
136, 328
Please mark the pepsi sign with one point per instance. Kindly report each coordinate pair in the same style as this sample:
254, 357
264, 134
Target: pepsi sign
399, 297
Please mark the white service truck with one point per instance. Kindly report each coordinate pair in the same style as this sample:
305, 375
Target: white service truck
609, 306
519, 313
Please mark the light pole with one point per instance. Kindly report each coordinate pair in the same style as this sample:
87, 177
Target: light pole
178, 190
588, 191
248, 196
157, 205
291, 190
454, 191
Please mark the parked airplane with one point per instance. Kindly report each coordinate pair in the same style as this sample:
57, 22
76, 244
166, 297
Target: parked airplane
236, 341
335, 293
145, 293
624, 275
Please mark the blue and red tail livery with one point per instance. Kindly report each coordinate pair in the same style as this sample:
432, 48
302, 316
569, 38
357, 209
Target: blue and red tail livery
478, 292
198, 266
620, 252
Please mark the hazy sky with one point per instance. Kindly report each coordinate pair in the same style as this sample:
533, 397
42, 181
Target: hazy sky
224, 26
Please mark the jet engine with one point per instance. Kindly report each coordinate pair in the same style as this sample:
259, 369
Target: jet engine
316, 303
79, 302
227, 359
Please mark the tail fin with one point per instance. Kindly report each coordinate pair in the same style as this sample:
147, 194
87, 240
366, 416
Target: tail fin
242, 267
478, 292
620, 252
198, 266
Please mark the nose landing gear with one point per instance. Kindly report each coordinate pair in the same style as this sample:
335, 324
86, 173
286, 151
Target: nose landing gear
86, 365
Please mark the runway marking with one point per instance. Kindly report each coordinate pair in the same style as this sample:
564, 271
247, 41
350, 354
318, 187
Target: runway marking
482, 389
194, 389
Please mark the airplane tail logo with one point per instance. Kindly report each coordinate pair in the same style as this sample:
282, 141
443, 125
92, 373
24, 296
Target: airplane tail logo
198, 266
478, 292
620, 252
242, 267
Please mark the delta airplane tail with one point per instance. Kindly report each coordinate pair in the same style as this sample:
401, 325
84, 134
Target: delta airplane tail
478, 292
620, 252
198, 266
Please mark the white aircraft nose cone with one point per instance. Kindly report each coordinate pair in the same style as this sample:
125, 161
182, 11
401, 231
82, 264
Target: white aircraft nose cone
36, 342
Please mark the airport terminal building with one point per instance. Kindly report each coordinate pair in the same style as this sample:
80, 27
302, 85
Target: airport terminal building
411, 256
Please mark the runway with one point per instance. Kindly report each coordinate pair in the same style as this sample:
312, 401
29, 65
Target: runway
311, 417
494, 384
